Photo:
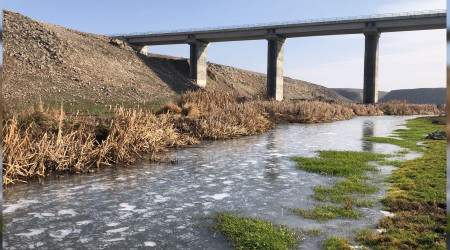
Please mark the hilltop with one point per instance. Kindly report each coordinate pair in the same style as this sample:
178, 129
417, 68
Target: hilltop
356, 95
54, 63
417, 96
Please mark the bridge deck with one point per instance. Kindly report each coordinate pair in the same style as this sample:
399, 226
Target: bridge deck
423, 20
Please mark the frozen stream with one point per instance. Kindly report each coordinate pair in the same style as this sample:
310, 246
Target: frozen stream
157, 205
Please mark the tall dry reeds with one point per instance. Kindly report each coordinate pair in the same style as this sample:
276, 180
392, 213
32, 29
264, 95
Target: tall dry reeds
38, 142
33, 147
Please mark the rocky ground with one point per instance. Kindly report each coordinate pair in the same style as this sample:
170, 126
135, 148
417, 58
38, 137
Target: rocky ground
56, 64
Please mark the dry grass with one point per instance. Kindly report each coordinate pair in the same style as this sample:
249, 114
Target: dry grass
38, 142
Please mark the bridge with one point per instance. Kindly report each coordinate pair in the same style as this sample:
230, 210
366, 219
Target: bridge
370, 26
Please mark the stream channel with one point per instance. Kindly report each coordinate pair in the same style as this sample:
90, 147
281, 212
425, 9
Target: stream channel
159, 205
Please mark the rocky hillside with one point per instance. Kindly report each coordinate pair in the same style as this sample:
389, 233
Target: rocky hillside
356, 95
417, 96
56, 64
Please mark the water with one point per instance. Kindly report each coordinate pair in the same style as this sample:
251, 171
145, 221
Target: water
158, 205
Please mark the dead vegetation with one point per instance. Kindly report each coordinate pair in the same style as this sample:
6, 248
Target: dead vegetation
37, 142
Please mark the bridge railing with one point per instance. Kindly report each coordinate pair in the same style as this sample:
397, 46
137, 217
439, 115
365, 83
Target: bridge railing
304, 21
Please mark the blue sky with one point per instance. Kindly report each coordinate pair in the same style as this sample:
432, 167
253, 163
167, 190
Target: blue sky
407, 59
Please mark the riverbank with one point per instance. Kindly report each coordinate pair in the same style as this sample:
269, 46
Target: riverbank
415, 200
42, 141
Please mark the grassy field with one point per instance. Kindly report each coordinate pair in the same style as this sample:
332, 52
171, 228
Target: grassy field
417, 193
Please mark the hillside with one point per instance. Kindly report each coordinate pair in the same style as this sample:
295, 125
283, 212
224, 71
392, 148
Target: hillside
356, 95
417, 96
53, 63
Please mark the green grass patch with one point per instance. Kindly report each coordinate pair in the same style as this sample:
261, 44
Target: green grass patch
335, 243
326, 212
254, 233
339, 163
314, 232
417, 194
341, 192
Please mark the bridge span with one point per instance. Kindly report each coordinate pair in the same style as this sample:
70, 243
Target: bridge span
277, 33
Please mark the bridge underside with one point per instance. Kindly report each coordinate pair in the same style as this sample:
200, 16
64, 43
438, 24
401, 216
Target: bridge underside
276, 35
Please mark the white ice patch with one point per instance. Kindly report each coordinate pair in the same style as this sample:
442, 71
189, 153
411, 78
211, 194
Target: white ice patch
121, 179
84, 222
160, 198
181, 227
77, 187
117, 230
149, 244
48, 214
259, 189
253, 161
98, 187
32, 232
228, 182
20, 204
126, 207
188, 204
220, 196
60, 234
115, 239
171, 217
112, 224
67, 211
37, 215
386, 213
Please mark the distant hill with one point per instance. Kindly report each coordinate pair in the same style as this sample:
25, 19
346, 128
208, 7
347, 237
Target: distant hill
418, 96
356, 95
57, 64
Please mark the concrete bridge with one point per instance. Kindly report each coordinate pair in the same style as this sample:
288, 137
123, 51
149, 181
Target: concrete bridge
276, 33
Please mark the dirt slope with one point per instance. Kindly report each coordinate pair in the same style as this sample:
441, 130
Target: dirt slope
58, 64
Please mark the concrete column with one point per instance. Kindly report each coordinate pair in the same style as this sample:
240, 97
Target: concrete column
140, 49
370, 93
275, 61
198, 65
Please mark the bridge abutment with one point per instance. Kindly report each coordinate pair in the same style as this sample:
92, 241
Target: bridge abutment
370, 92
198, 65
275, 63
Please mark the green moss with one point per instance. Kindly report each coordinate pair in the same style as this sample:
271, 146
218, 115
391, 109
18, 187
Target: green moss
326, 212
313, 232
340, 192
254, 233
339, 163
335, 243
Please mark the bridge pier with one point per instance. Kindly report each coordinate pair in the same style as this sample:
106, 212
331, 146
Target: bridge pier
370, 92
275, 61
198, 65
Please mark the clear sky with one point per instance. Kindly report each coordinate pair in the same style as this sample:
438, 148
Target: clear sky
407, 59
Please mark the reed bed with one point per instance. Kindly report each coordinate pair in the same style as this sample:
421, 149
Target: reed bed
39, 142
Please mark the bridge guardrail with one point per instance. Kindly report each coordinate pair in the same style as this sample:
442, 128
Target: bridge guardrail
317, 20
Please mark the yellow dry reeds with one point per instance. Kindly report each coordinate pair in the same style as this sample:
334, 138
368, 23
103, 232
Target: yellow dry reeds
130, 132
38, 142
